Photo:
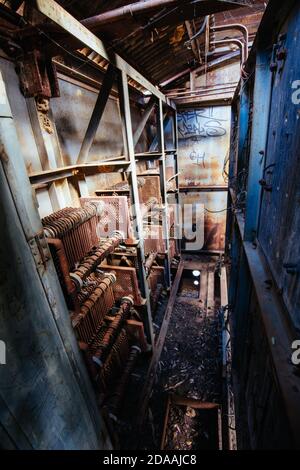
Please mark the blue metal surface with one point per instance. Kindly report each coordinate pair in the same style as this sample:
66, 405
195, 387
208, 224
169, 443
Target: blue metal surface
279, 231
264, 288
261, 111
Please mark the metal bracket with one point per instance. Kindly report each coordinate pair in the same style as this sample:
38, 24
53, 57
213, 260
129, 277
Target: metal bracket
40, 250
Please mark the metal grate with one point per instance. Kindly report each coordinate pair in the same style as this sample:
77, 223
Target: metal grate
126, 284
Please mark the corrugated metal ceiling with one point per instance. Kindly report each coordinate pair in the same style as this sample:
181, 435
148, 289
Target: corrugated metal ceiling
154, 43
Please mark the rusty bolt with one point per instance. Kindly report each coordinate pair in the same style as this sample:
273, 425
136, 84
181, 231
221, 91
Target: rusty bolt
282, 54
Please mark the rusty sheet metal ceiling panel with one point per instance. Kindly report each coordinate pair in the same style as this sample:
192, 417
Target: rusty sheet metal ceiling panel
154, 42
214, 205
203, 138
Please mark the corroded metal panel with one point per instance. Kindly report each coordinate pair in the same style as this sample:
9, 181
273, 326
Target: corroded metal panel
204, 135
214, 220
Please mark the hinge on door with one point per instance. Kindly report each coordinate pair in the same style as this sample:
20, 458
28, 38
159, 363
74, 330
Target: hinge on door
40, 250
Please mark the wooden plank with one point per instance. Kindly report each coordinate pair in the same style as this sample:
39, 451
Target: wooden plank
211, 293
226, 363
61, 17
147, 389
203, 289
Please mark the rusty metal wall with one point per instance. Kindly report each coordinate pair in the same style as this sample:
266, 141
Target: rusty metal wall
262, 421
204, 138
72, 112
214, 221
203, 145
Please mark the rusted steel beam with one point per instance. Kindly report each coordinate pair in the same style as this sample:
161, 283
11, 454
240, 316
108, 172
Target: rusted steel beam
69, 24
279, 333
97, 114
143, 121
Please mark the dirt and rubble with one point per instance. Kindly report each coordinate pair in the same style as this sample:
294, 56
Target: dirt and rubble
189, 366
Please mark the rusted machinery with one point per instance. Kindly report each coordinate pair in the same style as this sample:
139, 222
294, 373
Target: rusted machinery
100, 318
114, 205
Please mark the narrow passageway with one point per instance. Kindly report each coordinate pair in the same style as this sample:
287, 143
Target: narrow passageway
149, 251
190, 364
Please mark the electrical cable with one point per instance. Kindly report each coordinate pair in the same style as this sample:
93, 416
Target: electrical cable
201, 30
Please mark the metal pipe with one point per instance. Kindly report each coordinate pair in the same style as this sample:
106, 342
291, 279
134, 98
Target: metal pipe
149, 262
65, 270
128, 10
239, 27
239, 43
201, 30
193, 41
219, 61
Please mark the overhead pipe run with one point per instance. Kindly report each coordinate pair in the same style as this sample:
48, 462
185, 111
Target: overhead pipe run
239, 27
145, 6
237, 42
217, 62
115, 15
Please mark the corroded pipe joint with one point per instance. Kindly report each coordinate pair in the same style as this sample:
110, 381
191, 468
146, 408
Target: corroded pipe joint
127, 300
77, 281
118, 234
107, 342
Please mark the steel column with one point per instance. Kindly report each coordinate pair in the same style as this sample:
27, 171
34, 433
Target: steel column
163, 179
129, 146
261, 112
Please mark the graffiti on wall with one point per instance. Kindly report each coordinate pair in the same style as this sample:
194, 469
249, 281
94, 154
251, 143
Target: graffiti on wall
203, 144
198, 124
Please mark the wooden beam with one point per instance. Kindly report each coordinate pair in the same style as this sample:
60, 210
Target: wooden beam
226, 363
210, 293
194, 44
97, 114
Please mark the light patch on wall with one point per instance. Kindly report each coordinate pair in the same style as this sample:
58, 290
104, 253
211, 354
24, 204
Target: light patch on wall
2, 353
